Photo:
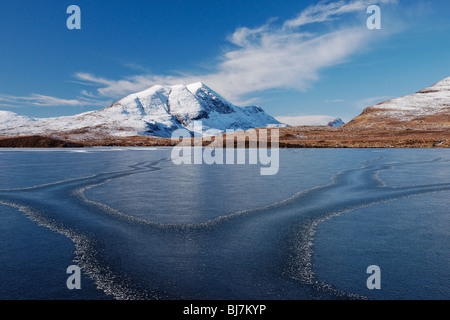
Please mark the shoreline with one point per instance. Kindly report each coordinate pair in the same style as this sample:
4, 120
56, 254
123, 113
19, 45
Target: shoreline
289, 137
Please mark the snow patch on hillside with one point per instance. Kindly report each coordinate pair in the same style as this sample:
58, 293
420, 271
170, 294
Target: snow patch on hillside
429, 101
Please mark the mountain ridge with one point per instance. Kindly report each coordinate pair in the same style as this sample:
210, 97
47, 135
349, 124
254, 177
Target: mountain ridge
426, 108
419, 120
157, 111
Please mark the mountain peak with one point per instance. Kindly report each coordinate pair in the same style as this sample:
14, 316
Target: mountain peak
336, 123
445, 83
156, 111
197, 85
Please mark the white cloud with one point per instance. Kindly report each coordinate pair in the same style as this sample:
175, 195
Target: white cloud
271, 56
43, 100
269, 60
334, 100
282, 59
266, 57
330, 10
311, 120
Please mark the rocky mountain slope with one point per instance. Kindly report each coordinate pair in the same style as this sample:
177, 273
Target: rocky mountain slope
426, 109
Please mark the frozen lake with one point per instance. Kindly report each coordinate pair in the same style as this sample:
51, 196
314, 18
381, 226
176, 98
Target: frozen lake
141, 227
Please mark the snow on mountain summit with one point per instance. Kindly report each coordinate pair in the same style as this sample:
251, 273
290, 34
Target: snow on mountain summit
10, 120
156, 111
443, 84
336, 123
424, 102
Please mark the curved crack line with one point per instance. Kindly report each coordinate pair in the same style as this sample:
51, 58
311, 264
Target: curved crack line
85, 252
140, 166
301, 266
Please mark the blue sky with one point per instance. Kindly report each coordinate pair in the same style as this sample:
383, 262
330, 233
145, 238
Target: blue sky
304, 61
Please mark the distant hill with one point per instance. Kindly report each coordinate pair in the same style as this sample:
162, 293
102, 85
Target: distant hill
336, 123
426, 109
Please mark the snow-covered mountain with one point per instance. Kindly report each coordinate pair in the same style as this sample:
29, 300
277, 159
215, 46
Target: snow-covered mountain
426, 108
157, 111
336, 123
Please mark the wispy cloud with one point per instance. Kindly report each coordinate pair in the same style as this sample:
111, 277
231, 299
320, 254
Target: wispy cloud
275, 60
275, 55
44, 101
119, 88
270, 56
310, 120
331, 10
334, 100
